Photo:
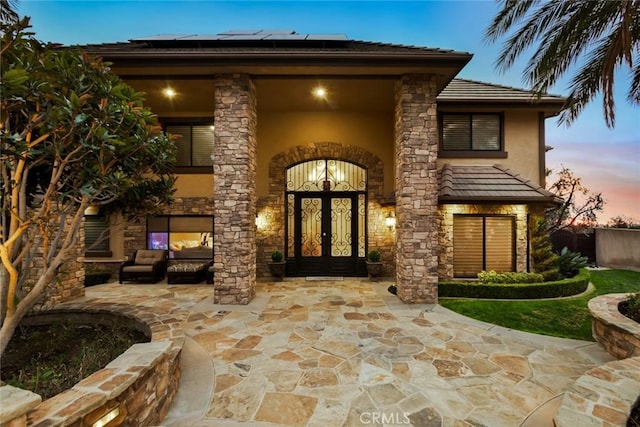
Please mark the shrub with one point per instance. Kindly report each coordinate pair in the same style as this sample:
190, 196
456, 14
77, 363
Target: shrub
570, 263
554, 289
631, 307
509, 277
276, 256
374, 256
95, 274
545, 261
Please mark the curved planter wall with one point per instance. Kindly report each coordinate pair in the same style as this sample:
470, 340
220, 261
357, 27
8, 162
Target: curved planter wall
604, 396
141, 382
619, 335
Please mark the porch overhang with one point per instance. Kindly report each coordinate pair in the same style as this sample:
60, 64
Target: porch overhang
197, 57
490, 185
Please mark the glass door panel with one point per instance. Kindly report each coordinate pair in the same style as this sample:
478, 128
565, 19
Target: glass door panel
311, 227
341, 216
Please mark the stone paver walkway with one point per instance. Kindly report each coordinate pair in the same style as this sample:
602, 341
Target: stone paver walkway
334, 353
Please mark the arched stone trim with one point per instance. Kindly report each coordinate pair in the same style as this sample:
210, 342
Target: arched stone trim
271, 208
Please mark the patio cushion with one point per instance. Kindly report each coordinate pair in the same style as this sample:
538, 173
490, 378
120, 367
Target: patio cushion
148, 256
186, 267
145, 268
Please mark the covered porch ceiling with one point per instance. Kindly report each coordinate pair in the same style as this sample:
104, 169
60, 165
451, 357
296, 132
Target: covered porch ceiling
194, 96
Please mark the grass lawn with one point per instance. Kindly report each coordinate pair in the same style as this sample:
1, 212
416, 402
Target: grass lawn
567, 318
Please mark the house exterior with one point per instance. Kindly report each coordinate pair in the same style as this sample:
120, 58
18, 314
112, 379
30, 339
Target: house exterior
325, 148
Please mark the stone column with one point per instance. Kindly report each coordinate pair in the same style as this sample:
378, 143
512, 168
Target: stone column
234, 190
416, 151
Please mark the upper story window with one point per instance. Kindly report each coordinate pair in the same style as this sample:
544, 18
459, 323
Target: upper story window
471, 135
195, 144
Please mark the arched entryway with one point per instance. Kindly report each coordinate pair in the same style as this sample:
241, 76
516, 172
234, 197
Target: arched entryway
325, 218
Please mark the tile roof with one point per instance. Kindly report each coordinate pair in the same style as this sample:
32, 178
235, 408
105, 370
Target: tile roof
262, 40
489, 184
463, 90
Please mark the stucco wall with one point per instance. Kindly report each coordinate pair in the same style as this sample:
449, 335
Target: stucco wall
520, 142
280, 131
618, 248
194, 185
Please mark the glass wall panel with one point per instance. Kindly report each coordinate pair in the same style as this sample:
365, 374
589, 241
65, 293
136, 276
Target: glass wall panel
467, 245
362, 242
499, 244
311, 228
291, 225
341, 227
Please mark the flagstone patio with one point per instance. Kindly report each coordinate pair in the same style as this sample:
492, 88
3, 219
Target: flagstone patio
334, 353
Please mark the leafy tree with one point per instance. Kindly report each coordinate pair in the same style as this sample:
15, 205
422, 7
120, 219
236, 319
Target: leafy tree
596, 37
622, 221
72, 135
8, 12
580, 207
545, 261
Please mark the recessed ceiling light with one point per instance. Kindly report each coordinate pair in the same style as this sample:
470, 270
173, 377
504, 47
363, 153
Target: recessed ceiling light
319, 92
169, 93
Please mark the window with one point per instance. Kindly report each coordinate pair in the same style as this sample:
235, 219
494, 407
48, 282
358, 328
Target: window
194, 142
471, 132
185, 236
483, 242
96, 236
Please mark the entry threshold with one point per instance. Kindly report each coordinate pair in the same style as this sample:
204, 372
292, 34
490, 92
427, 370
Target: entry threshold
323, 278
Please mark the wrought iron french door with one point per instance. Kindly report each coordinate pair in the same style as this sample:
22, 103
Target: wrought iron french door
325, 228
326, 234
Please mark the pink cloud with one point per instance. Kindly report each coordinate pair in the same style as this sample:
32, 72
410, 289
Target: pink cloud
612, 168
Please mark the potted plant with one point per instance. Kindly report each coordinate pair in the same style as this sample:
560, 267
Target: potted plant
277, 265
374, 265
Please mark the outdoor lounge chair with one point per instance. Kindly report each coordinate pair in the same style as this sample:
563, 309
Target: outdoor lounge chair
148, 264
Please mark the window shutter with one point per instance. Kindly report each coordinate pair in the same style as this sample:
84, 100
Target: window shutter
202, 142
467, 245
456, 132
182, 135
486, 132
499, 243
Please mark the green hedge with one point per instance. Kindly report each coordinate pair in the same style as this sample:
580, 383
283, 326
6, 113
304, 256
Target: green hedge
555, 289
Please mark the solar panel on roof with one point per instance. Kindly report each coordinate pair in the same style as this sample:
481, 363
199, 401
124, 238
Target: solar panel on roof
239, 32
162, 37
204, 37
274, 32
244, 37
337, 37
286, 37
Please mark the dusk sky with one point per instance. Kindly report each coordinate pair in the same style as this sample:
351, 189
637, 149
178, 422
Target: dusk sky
607, 160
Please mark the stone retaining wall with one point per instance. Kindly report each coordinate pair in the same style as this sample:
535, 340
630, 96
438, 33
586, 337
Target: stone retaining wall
603, 396
141, 382
619, 335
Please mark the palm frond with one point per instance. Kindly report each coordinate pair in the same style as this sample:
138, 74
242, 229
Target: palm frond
598, 36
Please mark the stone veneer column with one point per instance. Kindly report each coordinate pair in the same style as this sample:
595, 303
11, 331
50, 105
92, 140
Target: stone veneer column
234, 190
416, 151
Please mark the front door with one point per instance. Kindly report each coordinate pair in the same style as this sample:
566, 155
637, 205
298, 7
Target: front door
325, 226
324, 243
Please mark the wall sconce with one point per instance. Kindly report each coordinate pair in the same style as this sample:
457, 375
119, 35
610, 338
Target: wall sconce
257, 221
390, 221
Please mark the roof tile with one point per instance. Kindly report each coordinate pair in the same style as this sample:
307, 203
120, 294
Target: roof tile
489, 184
